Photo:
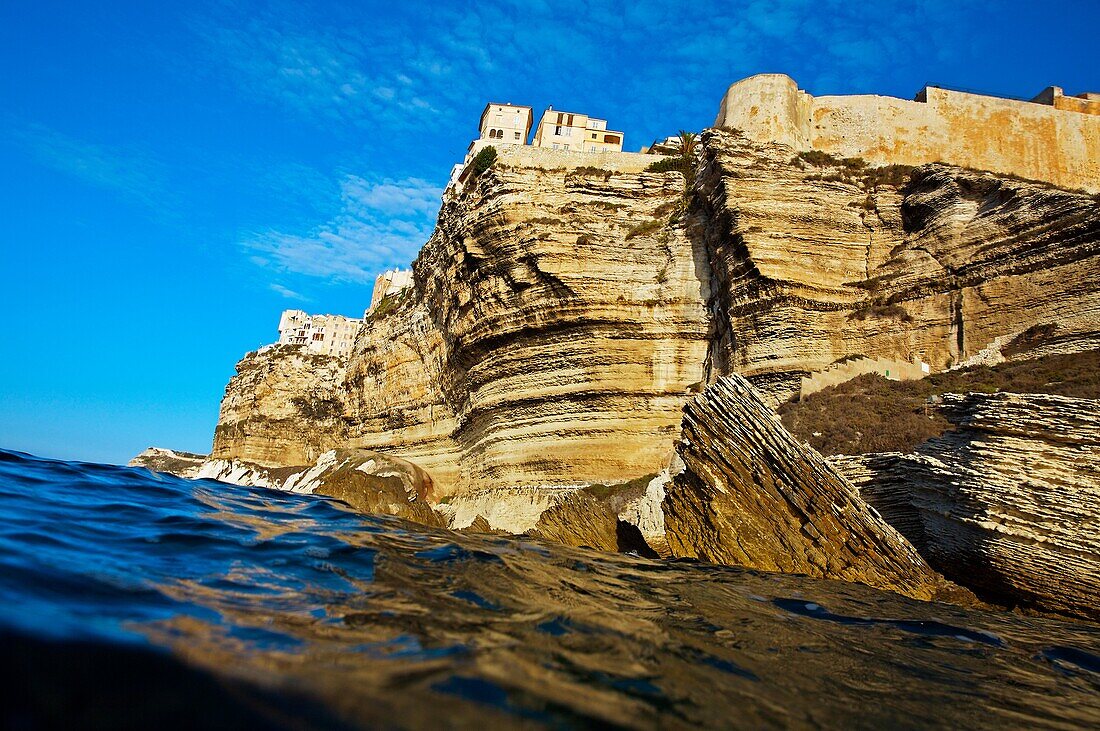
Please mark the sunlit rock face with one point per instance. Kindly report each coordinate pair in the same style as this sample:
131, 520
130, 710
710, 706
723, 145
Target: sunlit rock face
546, 343
817, 260
752, 495
1008, 501
283, 407
562, 315
172, 461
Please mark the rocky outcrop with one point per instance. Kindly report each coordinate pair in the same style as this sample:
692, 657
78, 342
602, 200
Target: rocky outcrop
626, 518
174, 462
752, 495
283, 407
580, 519
365, 481
563, 313
1007, 503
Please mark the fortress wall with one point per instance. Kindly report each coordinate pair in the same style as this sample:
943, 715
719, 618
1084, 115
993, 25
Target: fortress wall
526, 156
1027, 139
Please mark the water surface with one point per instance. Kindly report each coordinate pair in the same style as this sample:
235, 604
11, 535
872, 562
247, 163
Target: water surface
150, 599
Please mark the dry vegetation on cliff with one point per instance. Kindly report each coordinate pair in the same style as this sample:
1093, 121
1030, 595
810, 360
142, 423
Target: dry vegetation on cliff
873, 414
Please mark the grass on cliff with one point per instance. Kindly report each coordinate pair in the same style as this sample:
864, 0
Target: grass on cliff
872, 414
852, 170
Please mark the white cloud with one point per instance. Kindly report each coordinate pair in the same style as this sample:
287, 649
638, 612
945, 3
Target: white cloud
381, 224
288, 293
131, 173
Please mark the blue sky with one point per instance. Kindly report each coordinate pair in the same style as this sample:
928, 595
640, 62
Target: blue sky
173, 175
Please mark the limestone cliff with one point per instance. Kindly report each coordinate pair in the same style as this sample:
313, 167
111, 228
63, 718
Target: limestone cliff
548, 340
1007, 502
815, 260
283, 407
568, 305
752, 495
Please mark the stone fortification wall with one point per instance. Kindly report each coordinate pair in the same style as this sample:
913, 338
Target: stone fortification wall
1028, 139
542, 158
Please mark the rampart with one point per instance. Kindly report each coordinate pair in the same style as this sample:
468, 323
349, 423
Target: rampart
1028, 139
526, 156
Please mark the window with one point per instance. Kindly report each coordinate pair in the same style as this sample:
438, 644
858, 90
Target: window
593, 135
517, 135
557, 129
566, 147
591, 148
568, 132
611, 139
557, 146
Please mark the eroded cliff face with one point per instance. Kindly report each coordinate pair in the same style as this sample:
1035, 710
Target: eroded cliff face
562, 316
283, 407
548, 341
1007, 502
817, 260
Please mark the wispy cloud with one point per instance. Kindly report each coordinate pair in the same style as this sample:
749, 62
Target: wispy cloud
380, 224
356, 74
128, 172
288, 293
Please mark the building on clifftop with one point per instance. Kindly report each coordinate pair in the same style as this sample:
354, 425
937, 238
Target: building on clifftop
325, 334
576, 132
389, 283
505, 124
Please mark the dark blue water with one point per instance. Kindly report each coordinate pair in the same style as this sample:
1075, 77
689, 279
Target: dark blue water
148, 599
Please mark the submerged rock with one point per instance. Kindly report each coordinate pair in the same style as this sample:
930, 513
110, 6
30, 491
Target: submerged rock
752, 495
1008, 503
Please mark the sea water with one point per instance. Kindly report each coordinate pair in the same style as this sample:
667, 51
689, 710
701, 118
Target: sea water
141, 600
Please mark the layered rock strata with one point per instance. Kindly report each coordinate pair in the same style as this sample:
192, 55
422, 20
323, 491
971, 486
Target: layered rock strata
1008, 502
284, 407
752, 495
815, 261
562, 314
548, 340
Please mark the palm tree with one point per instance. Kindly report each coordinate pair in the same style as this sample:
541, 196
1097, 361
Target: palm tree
688, 143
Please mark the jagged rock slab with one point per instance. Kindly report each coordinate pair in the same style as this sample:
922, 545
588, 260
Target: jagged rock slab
752, 495
1007, 504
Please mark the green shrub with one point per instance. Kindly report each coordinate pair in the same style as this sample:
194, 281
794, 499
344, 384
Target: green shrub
817, 158
674, 164
482, 161
591, 171
645, 228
